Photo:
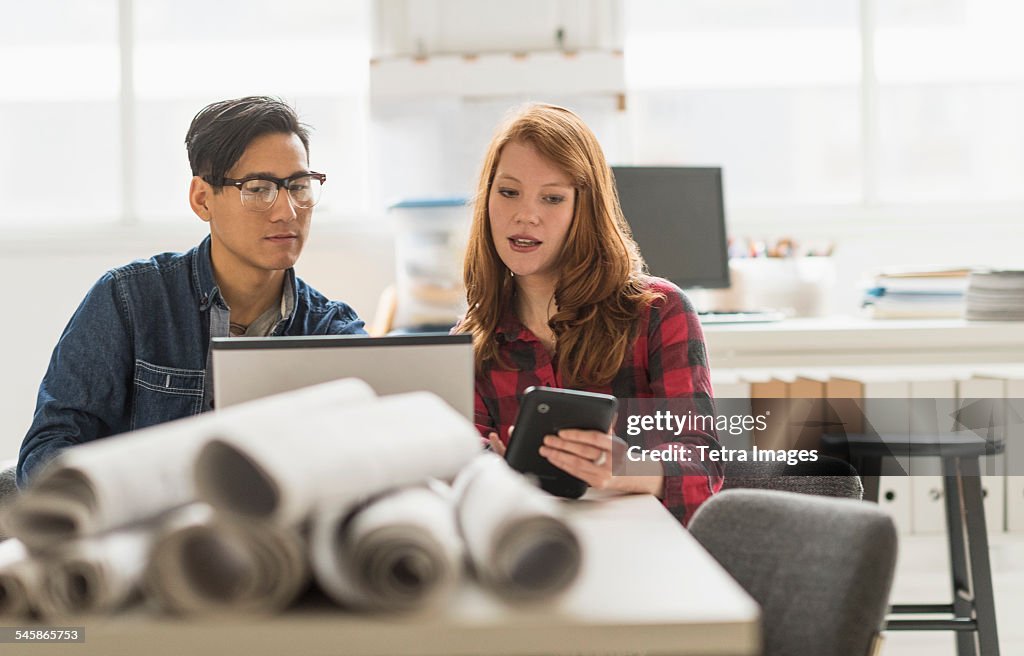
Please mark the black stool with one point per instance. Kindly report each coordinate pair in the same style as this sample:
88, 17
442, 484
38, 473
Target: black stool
973, 607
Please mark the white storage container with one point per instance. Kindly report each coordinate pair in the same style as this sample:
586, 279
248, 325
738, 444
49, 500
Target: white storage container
430, 242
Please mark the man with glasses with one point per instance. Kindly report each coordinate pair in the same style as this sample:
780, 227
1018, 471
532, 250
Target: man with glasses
136, 352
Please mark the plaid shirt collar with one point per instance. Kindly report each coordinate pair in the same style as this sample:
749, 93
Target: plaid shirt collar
511, 329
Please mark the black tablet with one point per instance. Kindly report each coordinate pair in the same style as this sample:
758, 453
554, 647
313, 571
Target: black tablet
545, 411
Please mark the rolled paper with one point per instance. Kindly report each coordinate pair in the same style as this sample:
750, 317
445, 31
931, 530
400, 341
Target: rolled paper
94, 575
203, 562
337, 456
116, 481
398, 552
518, 542
21, 577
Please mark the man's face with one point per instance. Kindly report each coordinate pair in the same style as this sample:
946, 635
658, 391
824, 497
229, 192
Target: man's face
245, 241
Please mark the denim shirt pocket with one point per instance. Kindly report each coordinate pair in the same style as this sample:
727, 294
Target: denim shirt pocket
165, 394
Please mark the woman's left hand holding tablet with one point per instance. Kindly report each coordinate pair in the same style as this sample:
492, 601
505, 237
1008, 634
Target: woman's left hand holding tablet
589, 455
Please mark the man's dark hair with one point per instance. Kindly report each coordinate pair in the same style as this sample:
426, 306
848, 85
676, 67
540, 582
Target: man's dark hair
221, 132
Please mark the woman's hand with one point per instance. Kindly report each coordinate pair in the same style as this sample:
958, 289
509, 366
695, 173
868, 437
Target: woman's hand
589, 455
495, 443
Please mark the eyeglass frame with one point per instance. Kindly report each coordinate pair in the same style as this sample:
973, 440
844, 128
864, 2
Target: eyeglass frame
279, 182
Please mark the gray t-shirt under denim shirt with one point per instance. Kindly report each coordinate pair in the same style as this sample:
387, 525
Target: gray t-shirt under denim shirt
265, 324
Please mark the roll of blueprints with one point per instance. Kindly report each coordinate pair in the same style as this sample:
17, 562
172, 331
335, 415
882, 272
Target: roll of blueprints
518, 542
203, 562
397, 552
21, 577
337, 456
94, 575
96, 487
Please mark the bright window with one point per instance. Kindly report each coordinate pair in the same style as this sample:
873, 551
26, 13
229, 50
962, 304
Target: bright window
189, 53
59, 113
950, 100
769, 91
801, 106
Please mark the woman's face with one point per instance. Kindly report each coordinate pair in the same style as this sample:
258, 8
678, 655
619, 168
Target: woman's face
531, 207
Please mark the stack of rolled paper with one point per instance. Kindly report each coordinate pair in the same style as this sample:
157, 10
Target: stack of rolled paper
233, 511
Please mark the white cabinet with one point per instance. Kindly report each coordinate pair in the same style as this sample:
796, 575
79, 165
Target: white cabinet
947, 361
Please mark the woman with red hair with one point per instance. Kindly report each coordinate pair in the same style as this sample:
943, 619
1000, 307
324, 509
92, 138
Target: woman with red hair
558, 297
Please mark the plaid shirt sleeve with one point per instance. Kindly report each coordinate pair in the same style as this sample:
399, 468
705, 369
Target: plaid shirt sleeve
482, 417
678, 368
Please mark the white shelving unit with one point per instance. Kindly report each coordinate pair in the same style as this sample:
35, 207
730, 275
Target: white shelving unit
592, 72
428, 49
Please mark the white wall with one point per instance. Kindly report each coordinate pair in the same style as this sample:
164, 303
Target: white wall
47, 276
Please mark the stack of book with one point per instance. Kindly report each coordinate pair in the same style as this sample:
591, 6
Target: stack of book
995, 295
932, 293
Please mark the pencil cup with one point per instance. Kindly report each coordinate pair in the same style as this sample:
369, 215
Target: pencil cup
798, 286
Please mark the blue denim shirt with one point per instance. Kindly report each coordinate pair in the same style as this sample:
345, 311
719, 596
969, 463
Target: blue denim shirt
136, 351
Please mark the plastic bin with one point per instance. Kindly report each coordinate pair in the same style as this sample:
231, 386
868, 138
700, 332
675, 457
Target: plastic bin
430, 242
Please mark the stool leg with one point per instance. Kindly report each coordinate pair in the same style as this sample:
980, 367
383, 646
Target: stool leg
869, 468
977, 550
955, 526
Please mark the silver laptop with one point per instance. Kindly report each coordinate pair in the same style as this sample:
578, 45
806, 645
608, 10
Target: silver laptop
246, 368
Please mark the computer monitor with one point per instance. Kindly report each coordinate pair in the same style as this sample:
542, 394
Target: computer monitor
677, 214
246, 368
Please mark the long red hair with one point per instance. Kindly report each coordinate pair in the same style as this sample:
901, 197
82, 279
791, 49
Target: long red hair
601, 286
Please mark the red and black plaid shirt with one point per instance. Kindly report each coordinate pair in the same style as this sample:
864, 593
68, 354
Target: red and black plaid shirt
667, 360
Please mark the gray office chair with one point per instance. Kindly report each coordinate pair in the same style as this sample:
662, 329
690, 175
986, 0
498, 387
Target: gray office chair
828, 477
820, 568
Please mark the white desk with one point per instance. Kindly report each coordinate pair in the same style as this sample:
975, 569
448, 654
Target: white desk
646, 587
860, 341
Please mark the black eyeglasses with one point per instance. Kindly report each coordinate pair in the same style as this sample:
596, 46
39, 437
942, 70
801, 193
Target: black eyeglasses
259, 192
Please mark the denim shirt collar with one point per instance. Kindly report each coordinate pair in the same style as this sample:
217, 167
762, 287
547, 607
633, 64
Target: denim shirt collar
208, 292
203, 282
